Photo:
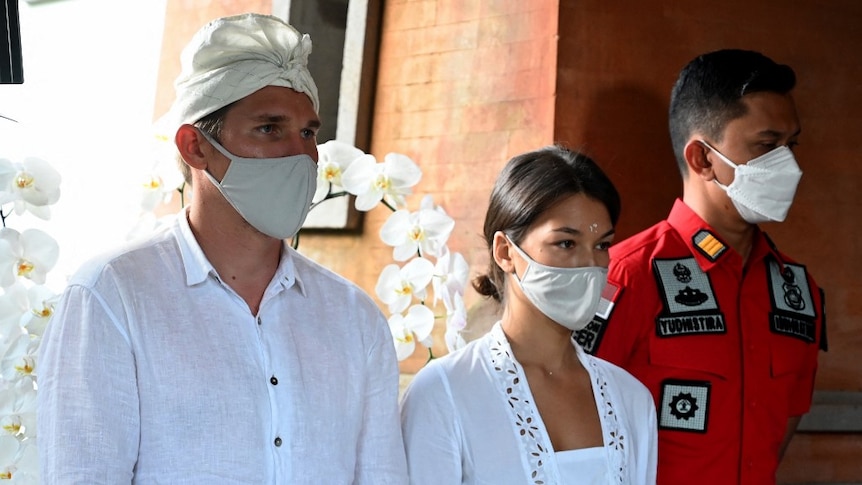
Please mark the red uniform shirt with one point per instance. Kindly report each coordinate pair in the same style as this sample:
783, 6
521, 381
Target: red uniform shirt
728, 350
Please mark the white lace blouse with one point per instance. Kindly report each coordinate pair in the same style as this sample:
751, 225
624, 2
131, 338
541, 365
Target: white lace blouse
469, 417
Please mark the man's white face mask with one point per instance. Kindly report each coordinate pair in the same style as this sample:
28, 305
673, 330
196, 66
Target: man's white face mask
272, 194
762, 190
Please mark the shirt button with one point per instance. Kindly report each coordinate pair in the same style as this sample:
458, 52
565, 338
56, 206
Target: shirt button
273, 380
258, 321
278, 442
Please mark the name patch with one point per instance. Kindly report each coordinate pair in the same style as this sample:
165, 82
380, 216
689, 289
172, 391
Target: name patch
670, 326
793, 312
689, 301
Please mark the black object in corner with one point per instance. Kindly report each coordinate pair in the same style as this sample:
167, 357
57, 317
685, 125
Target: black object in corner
11, 67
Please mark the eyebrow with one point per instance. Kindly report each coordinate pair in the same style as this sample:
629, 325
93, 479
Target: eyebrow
269, 118
777, 134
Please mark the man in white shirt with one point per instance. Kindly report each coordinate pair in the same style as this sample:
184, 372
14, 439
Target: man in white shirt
212, 352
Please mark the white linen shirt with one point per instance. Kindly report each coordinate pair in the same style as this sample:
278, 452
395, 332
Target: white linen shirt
154, 371
469, 417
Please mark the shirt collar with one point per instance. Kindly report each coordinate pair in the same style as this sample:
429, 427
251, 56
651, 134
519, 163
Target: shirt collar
197, 267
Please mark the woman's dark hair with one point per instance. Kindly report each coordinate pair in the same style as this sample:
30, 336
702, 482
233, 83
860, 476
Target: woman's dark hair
529, 185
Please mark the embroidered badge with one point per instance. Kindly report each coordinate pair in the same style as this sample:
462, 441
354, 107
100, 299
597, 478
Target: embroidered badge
684, 405
708, 244
792, 302
689, 300
590, 336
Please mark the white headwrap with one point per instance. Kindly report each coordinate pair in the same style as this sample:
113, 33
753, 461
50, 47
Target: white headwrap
232, 57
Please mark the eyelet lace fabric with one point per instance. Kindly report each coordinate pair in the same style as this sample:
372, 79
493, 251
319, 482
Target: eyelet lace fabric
535, 445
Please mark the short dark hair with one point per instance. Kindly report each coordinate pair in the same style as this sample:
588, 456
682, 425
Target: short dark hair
529, 185
708, 93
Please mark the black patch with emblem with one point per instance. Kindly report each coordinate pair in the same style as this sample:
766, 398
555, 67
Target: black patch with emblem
590, 336
689, 304
793, 312
684, 405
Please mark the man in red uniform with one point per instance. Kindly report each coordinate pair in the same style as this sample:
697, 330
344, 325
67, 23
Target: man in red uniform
722, 327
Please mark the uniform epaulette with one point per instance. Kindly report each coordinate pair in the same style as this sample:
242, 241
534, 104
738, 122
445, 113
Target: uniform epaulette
708, 244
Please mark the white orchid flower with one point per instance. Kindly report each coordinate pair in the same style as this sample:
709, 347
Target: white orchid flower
370, 181
18, 461
41, 302
163, 178
19, 360
407, 329
456, 321
30, 254
8, 170
18, 399
424, 232
397, 286
32, 186
9, 450
14, 305
333, 159
159, 185
450, 276
25, 309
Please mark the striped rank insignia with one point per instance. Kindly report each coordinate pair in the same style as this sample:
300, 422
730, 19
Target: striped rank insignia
708, 244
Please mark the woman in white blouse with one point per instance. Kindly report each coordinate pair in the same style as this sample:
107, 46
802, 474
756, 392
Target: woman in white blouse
524, 404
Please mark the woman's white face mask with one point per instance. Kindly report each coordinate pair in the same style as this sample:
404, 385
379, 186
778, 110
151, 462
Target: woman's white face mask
568, 296
272, 194
762, 189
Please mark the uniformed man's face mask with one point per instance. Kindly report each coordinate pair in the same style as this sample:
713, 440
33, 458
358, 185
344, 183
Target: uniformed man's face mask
568, 296
272, 194
762, 190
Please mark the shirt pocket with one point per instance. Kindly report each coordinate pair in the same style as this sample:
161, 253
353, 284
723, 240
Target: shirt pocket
788, 356
695, 354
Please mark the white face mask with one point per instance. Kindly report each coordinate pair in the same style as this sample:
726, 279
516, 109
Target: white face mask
568, 296
762, 190
272, 194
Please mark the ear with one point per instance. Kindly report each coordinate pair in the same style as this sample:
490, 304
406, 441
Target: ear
502, 252
696, 157
189, 143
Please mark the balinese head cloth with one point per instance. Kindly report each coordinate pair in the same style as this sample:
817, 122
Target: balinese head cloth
232, 57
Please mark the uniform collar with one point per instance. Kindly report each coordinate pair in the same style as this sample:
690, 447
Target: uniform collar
707, 246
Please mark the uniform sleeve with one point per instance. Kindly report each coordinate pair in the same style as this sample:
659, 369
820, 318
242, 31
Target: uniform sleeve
380, 457
429, 424
632, 294
802, 393
88, 419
